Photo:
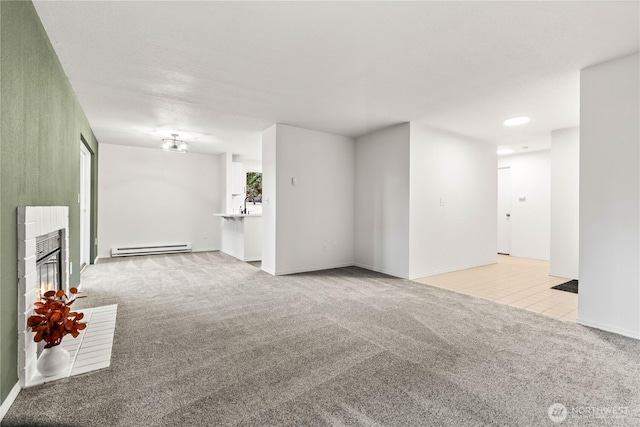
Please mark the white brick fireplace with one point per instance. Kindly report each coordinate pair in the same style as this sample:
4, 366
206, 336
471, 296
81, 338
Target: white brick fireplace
34, 221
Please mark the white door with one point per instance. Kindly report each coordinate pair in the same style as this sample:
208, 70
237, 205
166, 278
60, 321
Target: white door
85, 206
504, 211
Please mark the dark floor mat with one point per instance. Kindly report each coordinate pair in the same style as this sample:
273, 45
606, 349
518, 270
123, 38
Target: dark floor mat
570, 286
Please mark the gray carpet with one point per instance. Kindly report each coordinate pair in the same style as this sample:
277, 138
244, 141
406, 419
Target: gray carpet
205, 340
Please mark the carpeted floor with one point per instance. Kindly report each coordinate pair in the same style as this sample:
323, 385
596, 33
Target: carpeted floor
205, 340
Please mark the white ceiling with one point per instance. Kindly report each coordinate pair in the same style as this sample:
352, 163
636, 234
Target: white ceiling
219, 73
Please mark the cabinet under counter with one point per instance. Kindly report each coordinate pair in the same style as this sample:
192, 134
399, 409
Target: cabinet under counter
242, 236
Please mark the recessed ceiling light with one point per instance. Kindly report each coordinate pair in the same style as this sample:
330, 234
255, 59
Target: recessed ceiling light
504, 151
515, 121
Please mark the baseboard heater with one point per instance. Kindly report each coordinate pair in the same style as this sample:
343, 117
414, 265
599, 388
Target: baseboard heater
150, 250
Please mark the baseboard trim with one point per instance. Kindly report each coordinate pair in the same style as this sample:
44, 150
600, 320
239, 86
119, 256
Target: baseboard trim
381, 270
608, 328
447, 270
564, 276
98, 258
4, 408
307, 270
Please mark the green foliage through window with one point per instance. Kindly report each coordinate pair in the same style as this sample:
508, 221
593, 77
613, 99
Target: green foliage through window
254, 186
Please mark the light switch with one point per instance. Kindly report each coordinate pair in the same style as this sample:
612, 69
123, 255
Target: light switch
522, 198
441, 201
294, 181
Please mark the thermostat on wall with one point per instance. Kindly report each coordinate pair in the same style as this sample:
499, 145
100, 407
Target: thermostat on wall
522, 198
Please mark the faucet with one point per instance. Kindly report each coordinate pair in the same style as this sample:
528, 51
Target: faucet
244, 211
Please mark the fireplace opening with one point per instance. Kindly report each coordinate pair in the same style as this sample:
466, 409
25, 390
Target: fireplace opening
48, 267
48, 262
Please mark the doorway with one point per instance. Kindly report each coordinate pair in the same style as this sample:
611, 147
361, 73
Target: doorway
85, 206
504, 211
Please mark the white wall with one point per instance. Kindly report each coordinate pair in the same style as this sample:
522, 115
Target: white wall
609, 295
530, 219
382, 201
148, 196
226, 171
460, 173
269, 200
224, 184
314, 219
565, 186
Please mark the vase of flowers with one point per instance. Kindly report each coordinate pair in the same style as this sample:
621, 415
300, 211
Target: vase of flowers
53, 361
52, 321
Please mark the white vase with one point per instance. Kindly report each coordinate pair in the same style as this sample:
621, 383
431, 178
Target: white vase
53, 361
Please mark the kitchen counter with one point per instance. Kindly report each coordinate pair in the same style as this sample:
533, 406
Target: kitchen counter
235, 215
241, 235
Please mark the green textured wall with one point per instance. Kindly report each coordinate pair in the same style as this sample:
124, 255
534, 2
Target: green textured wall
41, 125
3, 394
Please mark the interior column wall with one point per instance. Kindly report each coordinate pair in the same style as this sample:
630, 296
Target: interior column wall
382, 201
314, 208
565, 206
269, 199
453, 202
609, 245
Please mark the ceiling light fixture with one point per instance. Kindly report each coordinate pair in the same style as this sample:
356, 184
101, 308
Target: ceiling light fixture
516, 121
174, 145
504, 151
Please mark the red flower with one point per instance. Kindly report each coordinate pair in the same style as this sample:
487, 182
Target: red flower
54, 319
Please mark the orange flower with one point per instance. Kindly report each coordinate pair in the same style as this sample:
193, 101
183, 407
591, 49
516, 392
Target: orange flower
54, 318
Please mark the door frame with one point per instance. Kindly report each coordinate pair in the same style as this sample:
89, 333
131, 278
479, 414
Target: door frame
85, 196
500, 219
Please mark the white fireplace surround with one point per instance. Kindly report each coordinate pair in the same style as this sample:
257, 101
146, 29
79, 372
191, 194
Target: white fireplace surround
34, 221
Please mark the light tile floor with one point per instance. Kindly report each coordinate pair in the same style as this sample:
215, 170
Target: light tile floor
519, 282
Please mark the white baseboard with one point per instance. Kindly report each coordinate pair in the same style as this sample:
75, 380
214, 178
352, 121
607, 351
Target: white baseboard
609, 328
381, 270
423, 273
4, 408
564, 276
206, 250
98, 258
447, 270
318, 268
